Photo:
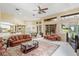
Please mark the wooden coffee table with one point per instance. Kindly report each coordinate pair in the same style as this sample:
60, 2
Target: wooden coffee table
29, 46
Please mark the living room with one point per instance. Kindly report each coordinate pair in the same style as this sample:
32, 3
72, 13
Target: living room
42, 24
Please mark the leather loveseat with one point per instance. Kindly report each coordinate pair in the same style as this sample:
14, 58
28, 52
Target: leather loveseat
53, 37
18, 39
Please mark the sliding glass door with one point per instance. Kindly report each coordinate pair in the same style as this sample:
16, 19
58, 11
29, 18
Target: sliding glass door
50, 29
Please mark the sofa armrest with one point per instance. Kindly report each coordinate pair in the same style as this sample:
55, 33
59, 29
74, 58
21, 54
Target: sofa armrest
10, 40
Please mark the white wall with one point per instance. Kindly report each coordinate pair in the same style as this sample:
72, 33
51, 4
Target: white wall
30, 27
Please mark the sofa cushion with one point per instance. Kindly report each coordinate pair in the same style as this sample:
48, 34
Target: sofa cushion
0, 45
21, 36
18, 37
18, 41
13, 38
24, 36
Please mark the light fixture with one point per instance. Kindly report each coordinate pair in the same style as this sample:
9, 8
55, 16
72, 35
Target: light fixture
18, 11
33, 14
55, 19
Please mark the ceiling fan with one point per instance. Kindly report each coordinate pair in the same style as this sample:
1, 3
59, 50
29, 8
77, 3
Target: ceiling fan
41, 10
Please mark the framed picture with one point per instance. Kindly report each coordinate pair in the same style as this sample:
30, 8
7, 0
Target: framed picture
20, 28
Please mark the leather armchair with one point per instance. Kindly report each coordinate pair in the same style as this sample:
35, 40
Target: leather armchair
2, 49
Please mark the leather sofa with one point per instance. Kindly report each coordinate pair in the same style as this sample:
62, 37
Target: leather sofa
1, 42
18, 39
2, 49
53, 37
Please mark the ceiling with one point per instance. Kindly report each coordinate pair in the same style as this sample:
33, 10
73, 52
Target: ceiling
26, 9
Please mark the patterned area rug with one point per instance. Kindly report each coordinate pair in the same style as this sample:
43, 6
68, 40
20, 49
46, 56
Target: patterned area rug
44, 49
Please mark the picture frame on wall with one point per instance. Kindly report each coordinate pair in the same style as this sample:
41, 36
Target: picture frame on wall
20, 28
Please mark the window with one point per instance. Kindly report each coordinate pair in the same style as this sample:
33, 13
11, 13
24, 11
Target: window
4, 27
50, 29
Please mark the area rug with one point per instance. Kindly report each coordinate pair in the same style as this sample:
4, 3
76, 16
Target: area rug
44, 49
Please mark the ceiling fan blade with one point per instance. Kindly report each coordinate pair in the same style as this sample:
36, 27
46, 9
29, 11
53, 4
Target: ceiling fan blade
39, 8
17, 9
39, 12
35, 10
45, 9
